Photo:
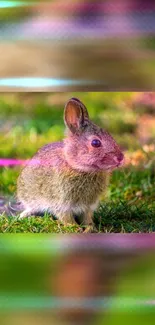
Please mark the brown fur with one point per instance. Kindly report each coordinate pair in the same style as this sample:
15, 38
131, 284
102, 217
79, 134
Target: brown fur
67, 178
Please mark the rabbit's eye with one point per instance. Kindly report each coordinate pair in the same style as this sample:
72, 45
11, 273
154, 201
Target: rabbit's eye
96, 143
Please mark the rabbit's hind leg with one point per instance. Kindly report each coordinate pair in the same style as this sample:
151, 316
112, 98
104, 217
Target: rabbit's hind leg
88, 222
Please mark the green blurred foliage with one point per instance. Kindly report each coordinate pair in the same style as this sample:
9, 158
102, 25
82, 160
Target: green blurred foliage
8, 15
138, 284
30, 268
32, 122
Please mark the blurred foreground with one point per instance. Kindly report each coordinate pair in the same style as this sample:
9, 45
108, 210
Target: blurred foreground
77, 280
78, 45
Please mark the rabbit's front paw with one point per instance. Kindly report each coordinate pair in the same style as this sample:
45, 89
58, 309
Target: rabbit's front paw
66, 220
25, 214
88, 222
90, 229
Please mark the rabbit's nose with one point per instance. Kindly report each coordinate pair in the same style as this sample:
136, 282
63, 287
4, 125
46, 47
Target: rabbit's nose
120, 156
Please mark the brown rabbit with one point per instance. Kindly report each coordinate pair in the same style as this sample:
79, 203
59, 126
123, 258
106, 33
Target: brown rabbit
67, 178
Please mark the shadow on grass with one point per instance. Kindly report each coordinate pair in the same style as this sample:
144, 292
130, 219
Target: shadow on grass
125, 217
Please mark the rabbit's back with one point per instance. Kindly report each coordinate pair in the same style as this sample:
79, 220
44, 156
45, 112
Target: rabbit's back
37, 175
49, 183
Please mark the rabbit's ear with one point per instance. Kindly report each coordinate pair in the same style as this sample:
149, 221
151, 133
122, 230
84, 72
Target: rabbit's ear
75, 114
83, 107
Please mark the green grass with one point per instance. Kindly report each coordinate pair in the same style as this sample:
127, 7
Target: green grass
113, 217
29, 121
129, 206
33, 225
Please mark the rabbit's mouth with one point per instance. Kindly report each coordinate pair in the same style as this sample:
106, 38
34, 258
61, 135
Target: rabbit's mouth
110, 166
111, 163
105, 167
114, 166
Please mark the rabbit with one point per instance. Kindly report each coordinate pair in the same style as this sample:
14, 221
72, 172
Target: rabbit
68, 178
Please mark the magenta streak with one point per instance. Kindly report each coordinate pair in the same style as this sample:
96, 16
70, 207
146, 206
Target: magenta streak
16, 162
106, 8
11, 162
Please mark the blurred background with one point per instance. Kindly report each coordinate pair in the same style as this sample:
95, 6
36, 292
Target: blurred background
30, 120
77, 279
77, 45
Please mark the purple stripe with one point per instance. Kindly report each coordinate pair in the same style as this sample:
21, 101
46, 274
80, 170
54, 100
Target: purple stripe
11, 162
